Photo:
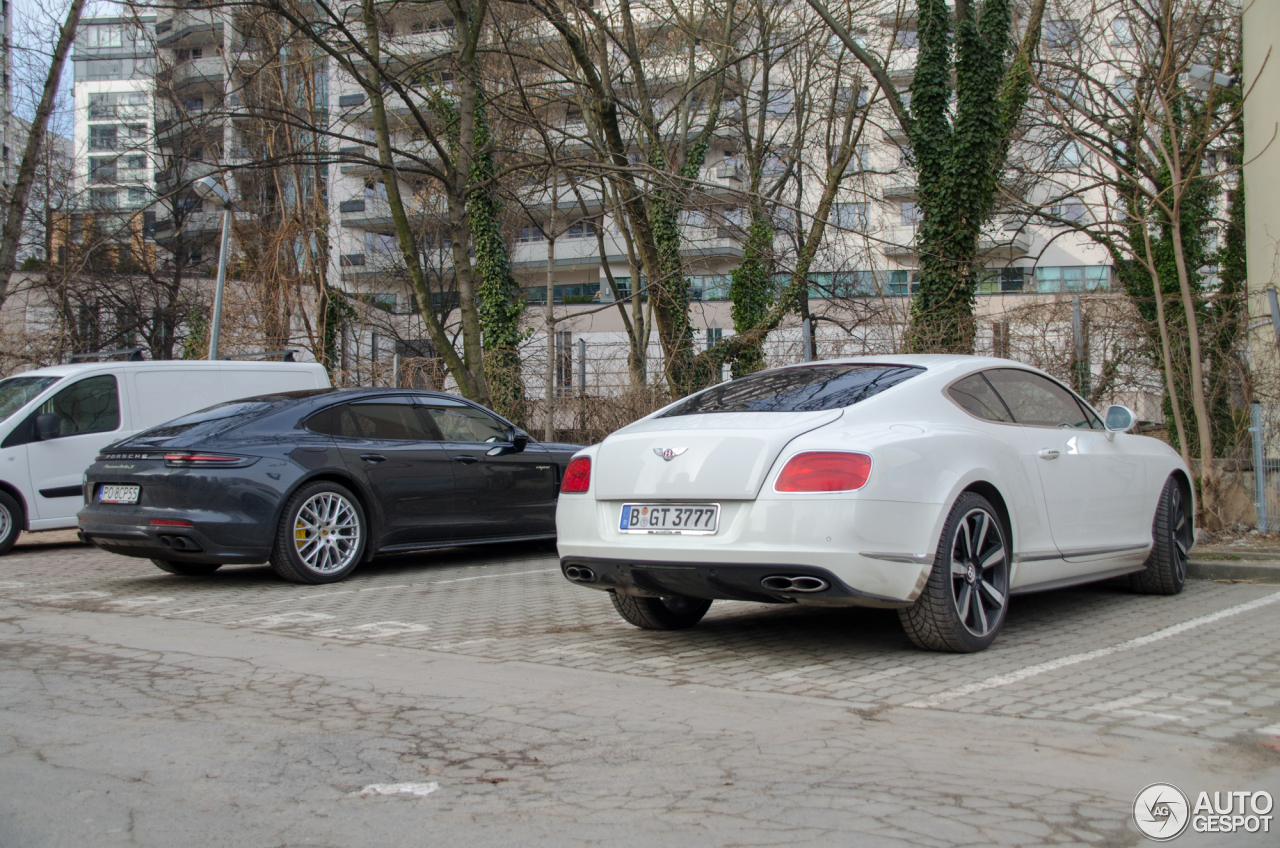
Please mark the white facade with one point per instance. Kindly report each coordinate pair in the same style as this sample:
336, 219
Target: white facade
114, 115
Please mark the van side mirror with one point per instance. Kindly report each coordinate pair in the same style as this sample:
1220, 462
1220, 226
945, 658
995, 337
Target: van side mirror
48, 426
1120, 419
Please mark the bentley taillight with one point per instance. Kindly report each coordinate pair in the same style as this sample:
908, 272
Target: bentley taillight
824, 471
577, 477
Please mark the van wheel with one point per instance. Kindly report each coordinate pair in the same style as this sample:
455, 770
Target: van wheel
186, 569
10, 522
321, 534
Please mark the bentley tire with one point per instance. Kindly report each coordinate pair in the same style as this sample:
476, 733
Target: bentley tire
1166, 571
186, 569
963, 604
10, 522
674, 613
321, 534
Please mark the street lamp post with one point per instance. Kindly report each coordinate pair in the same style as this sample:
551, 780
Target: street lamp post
210, 189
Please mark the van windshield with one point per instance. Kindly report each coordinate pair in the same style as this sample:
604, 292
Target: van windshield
15, 392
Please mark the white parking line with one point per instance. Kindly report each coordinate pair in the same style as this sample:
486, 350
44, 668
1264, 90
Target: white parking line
486, 576
1074, 659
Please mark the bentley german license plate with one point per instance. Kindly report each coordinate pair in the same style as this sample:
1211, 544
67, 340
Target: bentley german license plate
118, 494
670, 519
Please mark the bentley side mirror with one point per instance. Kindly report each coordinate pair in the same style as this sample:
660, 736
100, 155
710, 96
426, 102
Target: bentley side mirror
520, 441
1120, 419
48, 426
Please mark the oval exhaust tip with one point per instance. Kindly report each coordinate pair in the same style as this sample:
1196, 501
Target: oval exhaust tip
777, 583
799, 583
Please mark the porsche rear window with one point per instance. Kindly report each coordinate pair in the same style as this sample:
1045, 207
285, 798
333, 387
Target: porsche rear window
810, 388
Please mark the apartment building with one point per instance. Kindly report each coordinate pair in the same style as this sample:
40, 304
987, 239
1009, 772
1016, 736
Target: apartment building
115, 154
871, 251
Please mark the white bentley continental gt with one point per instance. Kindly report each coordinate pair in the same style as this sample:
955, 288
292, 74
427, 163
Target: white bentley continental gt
935, 485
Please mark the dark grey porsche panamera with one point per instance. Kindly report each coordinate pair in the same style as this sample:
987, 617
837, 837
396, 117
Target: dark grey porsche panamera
317, 482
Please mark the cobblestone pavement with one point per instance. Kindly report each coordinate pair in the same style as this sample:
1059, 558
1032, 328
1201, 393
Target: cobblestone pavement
144, 708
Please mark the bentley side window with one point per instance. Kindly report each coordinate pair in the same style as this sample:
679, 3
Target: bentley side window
465, 424
1037, 401
975, 396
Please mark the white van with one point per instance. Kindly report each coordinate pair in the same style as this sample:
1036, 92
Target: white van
53, 422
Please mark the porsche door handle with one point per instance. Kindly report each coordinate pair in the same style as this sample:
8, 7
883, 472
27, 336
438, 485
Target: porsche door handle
1048, 453
466, 459
374, 458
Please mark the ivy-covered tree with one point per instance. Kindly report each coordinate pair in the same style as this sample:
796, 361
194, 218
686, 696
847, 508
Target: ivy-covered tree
960, 151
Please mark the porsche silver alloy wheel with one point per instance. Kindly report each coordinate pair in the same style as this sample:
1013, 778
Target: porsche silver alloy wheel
326, 533
979, 582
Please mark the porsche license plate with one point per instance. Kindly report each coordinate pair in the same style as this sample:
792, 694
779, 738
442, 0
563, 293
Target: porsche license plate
670, 519
118, 494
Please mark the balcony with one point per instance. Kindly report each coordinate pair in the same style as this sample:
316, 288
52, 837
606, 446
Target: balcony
367, 213
178, 177
900, 189
189, 28
1006, 246
208, 74
729, 170
363, 267
205, 225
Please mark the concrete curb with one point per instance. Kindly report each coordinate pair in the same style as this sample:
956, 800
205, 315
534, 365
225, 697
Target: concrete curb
1261, 572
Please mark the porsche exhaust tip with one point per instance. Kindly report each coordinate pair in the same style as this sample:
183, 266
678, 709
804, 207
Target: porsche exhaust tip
798, 583
580, 574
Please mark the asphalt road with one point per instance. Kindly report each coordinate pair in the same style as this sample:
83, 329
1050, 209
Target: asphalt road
476, 698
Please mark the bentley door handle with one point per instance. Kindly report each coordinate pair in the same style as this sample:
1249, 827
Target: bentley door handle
375, 458
466, 458
1048, 453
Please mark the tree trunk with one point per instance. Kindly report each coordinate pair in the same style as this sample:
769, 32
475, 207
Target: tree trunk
549, 396
12, 232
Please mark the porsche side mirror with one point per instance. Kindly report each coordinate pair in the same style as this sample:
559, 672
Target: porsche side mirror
48, 426
520, 441
1120, 419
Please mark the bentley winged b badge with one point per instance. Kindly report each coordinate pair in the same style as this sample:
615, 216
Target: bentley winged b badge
669, 453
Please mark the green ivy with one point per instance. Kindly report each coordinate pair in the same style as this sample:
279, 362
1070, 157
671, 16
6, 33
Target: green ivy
672, 290
959, 161
751, 288
498, 298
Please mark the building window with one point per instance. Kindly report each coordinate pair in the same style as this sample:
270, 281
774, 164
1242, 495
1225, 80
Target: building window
1073, 278
779, 103
104, 36
582, 229
898, 282
1061, 33
135, 163
102, 138
850, 216
103, 198
102, 170
906, 38
104, 69
1070, 211
1122, 31
910, 213
137, 195
529, 234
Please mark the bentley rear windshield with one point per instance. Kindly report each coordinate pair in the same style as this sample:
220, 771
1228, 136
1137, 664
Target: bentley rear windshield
810, 388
